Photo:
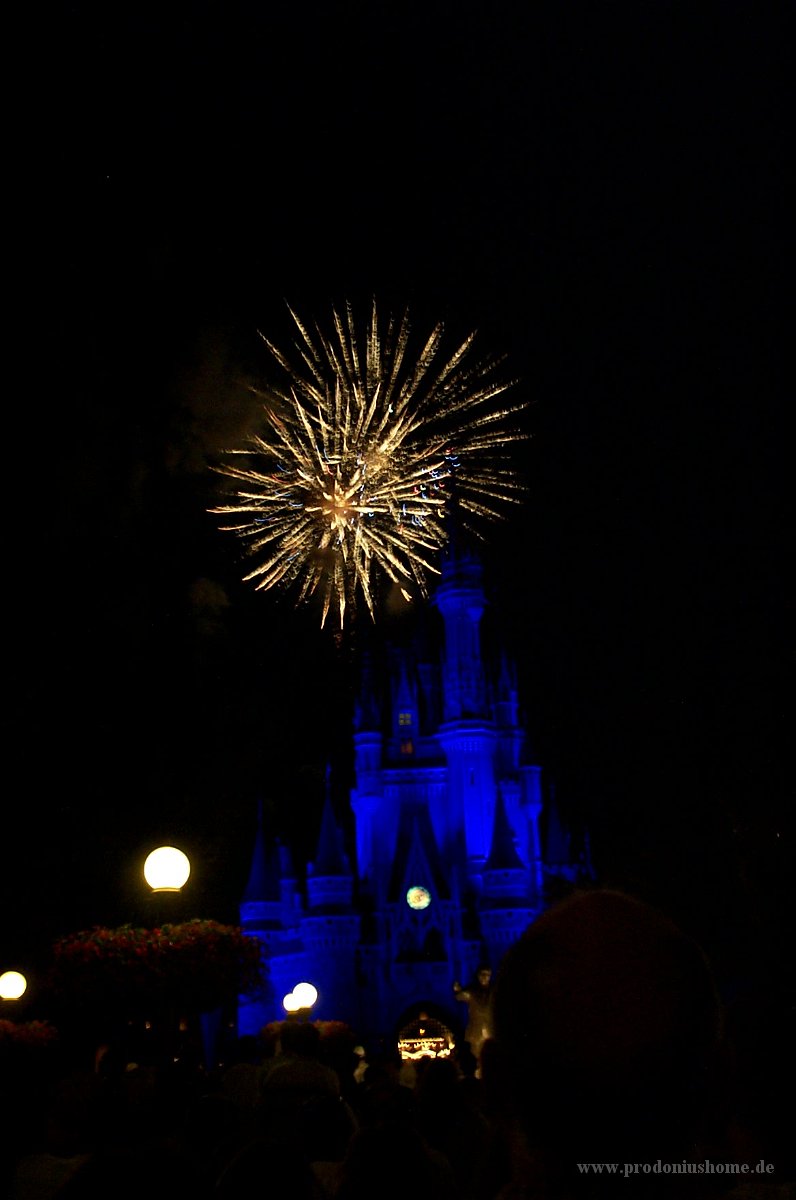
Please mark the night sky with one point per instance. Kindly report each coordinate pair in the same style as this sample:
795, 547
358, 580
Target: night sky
598, 190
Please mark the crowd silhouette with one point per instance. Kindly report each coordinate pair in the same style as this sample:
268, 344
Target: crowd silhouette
608, 1042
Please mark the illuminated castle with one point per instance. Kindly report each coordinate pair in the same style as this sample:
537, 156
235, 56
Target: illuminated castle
454, 849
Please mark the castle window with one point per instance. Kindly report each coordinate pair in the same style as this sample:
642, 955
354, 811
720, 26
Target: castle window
434, 947
405, 718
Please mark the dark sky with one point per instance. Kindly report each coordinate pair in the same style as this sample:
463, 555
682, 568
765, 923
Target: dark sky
597, 189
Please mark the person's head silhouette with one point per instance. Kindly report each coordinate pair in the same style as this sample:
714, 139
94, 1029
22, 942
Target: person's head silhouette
606, 1023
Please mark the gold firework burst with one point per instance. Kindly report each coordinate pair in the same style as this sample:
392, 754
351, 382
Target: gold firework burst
360, 449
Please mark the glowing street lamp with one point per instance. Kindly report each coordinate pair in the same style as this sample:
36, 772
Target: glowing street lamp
167, 869
301, 999
12, 985
306, 994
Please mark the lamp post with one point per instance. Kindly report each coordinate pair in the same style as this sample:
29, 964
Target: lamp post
166, 871
197, 949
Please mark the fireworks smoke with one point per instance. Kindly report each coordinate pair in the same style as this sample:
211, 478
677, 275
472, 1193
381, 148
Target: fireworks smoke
352, 473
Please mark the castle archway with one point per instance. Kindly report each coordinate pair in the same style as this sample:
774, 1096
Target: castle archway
425, 1031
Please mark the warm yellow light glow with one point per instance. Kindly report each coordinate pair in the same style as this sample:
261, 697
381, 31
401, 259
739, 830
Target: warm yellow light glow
424, 1047
167, 869
306, 994
418, 897
12, 985
290, 1003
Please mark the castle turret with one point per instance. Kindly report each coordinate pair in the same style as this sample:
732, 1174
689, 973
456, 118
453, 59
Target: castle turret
506, 908
260, 901
511, 737
331, 927
557, 847
567, 851
270, 900
405, 714
330, 881
460, 598
467, 734
368, 791
270, 910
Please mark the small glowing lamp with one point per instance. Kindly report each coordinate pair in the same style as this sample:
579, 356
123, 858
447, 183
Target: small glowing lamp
12, 985
306, 994
290, 1003
167, 869
418, 898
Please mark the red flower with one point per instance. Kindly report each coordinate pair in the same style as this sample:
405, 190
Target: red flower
31, 1033
196, 962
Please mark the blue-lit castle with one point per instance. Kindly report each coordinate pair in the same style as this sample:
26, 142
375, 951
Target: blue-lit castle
453, 845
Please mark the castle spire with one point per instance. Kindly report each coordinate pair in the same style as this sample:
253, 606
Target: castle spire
556, 840
330, 881
503, 854
330, 858
507, 905
264, 873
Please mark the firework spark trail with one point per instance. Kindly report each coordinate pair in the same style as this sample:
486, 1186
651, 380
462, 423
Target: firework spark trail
351, 474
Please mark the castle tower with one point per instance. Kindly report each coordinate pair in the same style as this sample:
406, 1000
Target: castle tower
367, 796
461, 600
467, 734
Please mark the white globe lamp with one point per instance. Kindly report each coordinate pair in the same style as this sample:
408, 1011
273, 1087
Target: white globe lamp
167, 869
12, 985
306, 994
